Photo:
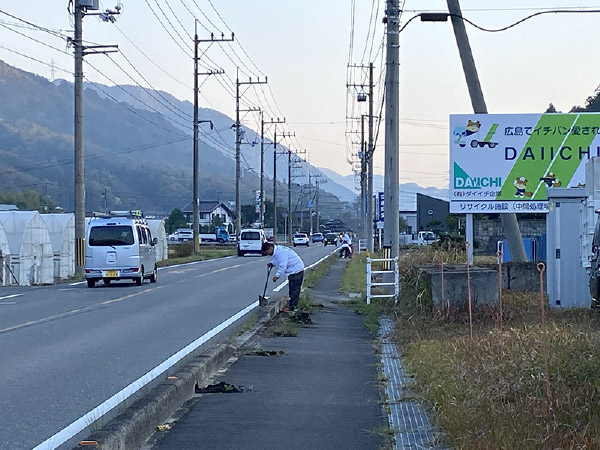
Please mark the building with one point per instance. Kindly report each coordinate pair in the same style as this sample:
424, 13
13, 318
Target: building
431, 211
208, 210
410, 217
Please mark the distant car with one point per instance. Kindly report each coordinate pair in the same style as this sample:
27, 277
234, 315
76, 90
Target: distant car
251, 241
300, 239
317, 237
330, 238
182, 234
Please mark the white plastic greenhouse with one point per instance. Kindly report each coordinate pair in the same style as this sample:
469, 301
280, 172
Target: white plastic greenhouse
61, 228
31, 257
4, 257
157, 228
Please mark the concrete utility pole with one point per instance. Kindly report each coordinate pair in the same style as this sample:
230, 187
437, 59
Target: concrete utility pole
391, 229
509, 220
290, 215
367, 204
262, 170
363, 178
79, 154
275, 154
370, 150
196, 187
238, 143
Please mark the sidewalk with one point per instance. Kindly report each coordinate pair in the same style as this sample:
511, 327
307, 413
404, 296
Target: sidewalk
320, 392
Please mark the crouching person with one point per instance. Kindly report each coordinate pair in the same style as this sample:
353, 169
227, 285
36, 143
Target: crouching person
288, 263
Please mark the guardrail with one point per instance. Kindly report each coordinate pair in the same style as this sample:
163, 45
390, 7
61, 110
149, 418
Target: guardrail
362, 245
371, 284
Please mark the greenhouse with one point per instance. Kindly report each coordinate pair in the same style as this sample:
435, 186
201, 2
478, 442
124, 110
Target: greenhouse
61, 228
4, 258
31, 256
157, 228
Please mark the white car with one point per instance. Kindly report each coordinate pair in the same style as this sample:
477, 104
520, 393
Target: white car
251, 241
182, 234
300, 239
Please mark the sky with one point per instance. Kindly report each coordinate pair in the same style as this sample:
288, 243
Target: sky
305, 47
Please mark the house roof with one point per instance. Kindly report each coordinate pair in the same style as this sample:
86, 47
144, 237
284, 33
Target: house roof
207, 206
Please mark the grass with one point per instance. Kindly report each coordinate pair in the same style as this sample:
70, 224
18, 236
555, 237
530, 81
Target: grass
201, 256
354, 278
490, 392
311, 277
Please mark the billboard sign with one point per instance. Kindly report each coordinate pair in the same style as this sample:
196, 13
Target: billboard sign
504, 163
380, 207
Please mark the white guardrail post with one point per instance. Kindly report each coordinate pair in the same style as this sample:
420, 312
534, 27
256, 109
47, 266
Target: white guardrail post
396, 280
368, 281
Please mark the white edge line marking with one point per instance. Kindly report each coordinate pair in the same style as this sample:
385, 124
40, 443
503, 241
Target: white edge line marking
82, 423
10, 296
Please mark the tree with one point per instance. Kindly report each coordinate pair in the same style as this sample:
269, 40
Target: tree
175, 220
403, 225
29, 200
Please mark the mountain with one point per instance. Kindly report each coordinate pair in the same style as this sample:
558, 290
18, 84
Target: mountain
136, 157
223, 139
408, 191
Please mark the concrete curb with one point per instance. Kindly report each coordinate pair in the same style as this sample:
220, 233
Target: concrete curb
131, 428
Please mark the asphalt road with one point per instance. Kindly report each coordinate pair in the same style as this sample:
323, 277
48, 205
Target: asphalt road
66, 349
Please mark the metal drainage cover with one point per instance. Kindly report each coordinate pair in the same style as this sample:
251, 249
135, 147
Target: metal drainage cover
408, 420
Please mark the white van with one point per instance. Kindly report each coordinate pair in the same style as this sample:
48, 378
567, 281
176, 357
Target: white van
120, 247
251, 241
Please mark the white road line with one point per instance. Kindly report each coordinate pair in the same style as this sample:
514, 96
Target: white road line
8, 303
82, 423
10, 296
281, 286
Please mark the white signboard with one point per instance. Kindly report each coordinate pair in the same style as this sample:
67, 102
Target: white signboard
504, 163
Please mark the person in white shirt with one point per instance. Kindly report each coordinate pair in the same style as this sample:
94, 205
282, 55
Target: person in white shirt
288, 263
346, 249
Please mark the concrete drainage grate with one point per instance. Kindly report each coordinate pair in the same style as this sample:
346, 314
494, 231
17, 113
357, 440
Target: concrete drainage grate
408, 420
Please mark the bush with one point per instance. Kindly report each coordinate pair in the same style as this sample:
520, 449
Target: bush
184, 249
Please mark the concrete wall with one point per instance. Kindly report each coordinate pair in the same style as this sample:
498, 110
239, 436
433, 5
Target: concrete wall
484, 286
519, 276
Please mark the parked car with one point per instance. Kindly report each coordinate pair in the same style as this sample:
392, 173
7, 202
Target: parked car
317, 237
250, 241
300, 239
330, 239
120, 247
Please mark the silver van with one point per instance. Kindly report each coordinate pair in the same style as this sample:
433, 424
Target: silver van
120, 247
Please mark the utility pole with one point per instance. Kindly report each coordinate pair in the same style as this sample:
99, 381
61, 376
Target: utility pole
370, 151
367, 158
363, 177
196, 187
238, 143
391, 229
290, 167
262, 170
79, 155
319, 179
275, 153
509, 220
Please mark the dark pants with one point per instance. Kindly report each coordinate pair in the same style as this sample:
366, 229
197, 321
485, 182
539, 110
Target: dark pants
295, 284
